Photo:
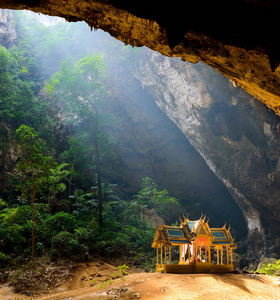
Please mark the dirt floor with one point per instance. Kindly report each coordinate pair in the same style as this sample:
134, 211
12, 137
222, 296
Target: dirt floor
77, 285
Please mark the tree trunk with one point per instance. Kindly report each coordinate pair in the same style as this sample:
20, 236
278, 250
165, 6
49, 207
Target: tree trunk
94, 131
98, 171
33, 217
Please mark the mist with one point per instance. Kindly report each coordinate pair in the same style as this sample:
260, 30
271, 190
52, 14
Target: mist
144, 137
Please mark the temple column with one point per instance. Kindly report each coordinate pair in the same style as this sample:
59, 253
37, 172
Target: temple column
165, 259
180, 255
209, 251
231, 257
161, 254
189, 248
193, 252
227, 256
195, 255
170, 255
157, 255
217, 256
222, 254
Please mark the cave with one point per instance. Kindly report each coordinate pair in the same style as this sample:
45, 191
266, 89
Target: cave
237, 39
233, 41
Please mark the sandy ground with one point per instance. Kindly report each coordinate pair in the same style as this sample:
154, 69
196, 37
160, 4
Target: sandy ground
157, 286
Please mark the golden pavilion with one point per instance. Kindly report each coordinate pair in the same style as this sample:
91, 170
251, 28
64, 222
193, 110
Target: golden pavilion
201, 249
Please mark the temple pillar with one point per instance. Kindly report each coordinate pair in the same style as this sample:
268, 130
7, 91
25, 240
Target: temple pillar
227, 256
170, 255
209, 251
180, 257
217, 256
161, 254
165, 259
181, 252
222, 254
195, 255
231, 257
157, 255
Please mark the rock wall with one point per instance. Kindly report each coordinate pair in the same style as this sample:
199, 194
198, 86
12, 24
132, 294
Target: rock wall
238, 39
149, 144
7, 29
235, 134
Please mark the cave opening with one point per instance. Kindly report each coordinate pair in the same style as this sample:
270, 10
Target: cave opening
166, 119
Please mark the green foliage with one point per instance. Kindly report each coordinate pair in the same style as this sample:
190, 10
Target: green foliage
80, 86
61, 221
64, 244
3, 204
152, 197
4, 259
84, 203
33, 165
271, 269
53, 195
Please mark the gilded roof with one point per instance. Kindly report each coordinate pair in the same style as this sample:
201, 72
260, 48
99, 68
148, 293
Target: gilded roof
189, 230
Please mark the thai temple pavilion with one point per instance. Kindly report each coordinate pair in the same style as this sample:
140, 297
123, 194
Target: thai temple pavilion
195, 240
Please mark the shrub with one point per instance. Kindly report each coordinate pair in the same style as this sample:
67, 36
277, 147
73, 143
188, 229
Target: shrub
64, 244
271, 269
61, 222
4, 259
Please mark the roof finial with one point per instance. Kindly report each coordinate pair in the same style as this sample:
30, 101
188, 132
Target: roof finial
181, 220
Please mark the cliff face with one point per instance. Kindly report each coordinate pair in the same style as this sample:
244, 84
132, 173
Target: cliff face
235, 134
238, 39
149, 144
7, 29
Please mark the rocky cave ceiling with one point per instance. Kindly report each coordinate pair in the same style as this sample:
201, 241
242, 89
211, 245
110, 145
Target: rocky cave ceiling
238, 38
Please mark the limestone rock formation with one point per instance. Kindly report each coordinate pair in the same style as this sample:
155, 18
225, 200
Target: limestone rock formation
235, 134
7, 29
149, 144
238, 39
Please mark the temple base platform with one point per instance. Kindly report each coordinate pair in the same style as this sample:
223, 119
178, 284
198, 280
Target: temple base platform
193, 268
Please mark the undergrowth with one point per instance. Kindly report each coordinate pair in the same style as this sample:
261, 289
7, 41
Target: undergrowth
272, 269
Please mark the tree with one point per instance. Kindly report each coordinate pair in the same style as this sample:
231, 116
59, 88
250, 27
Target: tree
36, 169
82, 87
17, 102
53, 184
152, 197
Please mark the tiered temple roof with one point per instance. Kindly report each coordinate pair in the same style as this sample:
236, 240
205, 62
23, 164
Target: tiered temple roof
222, 236
189, 230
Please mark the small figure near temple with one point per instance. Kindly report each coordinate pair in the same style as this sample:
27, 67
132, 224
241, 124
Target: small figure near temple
196, 240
